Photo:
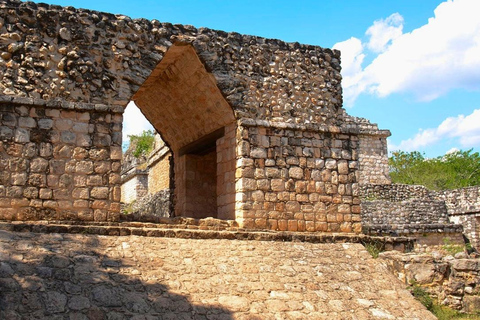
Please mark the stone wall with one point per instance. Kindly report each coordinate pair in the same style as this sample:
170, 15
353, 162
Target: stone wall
159, 163
292, 178
59, 161
134, 186
454, 282
90, 56
463, 206
407, 209
298, 156
404, 209
226, 165
460, 201
372, 151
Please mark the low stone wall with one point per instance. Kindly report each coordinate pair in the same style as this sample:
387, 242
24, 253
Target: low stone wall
415, 209
404, 210
149, 207
461, 201
134, 186
463, 206
393, 192
454, 282
159, 163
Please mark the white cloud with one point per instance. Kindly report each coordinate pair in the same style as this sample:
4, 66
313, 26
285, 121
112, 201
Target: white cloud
383, 31
134, 122
452, 150
428, 62
464, 129
352, 58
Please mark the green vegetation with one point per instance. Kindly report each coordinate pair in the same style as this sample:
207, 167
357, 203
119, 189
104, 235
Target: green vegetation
128, 207
421, 295
452, 248
441, 312
454, 170
374, 248
143, 143
446, 313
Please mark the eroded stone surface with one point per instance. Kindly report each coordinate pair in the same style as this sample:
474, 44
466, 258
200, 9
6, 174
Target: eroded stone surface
453, 281
52, 276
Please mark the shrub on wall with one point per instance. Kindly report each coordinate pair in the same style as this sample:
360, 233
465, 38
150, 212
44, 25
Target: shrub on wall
143, 143
454, 170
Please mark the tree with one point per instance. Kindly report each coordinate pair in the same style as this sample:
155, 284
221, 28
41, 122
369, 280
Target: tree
454, 170
142, 143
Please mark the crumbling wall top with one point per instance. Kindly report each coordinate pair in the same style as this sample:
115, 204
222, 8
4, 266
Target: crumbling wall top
87, 56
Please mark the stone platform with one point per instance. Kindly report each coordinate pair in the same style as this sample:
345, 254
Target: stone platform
209, 228
91, 276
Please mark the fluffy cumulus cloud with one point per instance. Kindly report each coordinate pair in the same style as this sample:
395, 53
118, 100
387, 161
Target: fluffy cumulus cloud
383, 31
465, 129
134, 122
442, 55
352, 59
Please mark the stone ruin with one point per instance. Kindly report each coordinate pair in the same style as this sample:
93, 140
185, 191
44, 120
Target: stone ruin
255, 127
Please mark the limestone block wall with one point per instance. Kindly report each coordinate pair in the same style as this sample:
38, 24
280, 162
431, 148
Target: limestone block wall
463, 206
195, 189
135, 186
373, 159
159, 162
394, 192
226, 165
461, 201
372, 151
404, 209
159, 175
291, 178
59, 161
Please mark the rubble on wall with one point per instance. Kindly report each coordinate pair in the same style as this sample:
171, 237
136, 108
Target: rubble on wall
149, 207
454, 281
97, 57
409, 209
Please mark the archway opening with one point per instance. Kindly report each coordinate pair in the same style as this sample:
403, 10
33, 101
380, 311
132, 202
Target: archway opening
183, 103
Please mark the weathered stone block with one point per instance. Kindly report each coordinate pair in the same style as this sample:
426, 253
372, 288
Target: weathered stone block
81, 193
292, 206
22, 135
85, 167
18, 179
295, 173
26, 122
99, 193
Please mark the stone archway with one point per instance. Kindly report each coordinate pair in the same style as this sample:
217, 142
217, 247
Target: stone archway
182, 101
267, 114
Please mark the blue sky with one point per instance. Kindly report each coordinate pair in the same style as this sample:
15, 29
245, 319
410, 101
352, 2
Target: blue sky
411, 66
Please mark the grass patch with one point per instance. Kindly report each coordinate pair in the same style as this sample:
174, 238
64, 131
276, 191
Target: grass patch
128, 208
446, 313
441, 312
374, 248
451, 248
